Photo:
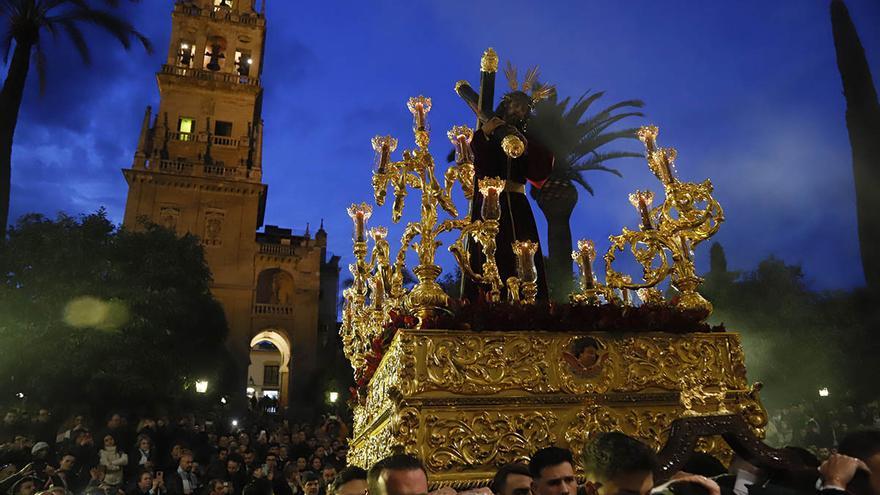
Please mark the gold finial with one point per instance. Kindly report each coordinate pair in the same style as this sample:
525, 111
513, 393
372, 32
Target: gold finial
489, 61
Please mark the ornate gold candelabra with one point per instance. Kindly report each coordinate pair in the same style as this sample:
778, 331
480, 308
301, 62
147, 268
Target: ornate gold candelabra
664, 243
378, 288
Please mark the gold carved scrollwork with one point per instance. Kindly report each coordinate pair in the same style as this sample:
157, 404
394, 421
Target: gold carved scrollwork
479, 365
375, 446
649, 425
664, 361
485, 438
406, 430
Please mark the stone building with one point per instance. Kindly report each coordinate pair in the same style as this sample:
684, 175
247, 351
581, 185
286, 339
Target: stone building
198, 169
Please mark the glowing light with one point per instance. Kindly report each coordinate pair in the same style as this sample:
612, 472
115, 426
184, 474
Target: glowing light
234, 422
823, 392
202, 386
20, 395
250, 390
184, 46
334, 396
250, 61
92, 312
223, 400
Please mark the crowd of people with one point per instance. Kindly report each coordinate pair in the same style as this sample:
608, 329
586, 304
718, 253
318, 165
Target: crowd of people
274, 457
157, 456
820, 425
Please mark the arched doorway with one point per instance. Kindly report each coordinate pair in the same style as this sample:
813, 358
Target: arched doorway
268, 372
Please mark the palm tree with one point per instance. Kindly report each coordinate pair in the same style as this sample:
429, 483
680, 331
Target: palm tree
25, 21
575, 141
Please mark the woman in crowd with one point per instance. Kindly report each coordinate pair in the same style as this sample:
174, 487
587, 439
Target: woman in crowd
113, 460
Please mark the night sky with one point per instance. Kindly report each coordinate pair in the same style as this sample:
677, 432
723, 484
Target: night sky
748, 92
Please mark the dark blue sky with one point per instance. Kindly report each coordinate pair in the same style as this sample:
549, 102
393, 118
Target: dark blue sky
748, 91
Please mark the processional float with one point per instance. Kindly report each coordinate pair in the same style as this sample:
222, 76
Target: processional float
470, 387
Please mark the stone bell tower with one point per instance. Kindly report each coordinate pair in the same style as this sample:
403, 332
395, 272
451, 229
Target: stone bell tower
198, 169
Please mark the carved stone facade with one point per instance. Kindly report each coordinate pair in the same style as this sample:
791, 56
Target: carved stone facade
469, 402
198, 169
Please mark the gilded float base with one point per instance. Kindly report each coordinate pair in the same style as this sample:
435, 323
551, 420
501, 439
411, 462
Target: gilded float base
469, 402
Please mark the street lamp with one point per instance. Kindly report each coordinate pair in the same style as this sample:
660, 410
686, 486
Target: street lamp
202, 386
334, 396
234, 422
823, 392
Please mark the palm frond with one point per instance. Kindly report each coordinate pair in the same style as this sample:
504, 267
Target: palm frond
578, 178
576, 135
79, 41
116, 26
592, 163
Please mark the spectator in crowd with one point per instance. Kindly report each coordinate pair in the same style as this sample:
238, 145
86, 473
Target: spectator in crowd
316, 465
24, 486
350, 481
328, 474
86, 453
143, 456
615, 464
258, 484
97, 484
182, 481
856, 468
218, 487
235, 476
400, 474
113, 460
65, 475
147, 484
311, 485
512, 479
552, 471
291, 482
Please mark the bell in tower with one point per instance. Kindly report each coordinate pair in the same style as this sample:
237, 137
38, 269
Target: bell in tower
217, 47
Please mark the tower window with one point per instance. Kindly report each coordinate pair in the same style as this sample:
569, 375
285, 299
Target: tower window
186, 126
223, 128
185, 53
243, 63
215, 56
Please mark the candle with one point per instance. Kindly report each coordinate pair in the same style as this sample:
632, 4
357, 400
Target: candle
490, 187
419, 106
585, 255
460, 136
383, 146
642, 200
525, 260
359, 215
